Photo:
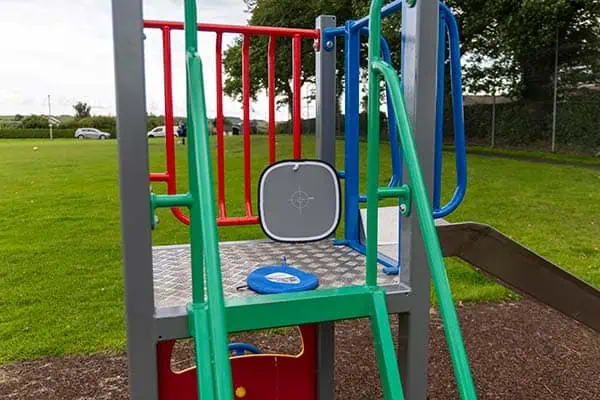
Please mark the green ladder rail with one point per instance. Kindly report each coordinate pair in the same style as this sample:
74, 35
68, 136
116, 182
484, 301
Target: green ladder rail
379, 69
211, 317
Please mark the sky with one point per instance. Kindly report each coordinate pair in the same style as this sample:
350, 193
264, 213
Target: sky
63, 48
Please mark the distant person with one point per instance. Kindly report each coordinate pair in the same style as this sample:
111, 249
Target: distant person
182, 132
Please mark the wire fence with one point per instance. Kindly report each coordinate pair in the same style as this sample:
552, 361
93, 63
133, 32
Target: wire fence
552, 104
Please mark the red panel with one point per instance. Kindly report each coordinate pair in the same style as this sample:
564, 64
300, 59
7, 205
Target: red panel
263, 377
220, 133
159, 177
230, 221
169, 134
246, 96
271, 73
240, 29
273, 32
296, 76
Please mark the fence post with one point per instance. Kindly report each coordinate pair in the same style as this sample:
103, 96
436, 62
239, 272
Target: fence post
555, 94
50, 118
493, 119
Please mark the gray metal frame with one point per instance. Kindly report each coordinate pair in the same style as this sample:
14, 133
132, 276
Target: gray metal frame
410, 299
135, 207
326, 95
419, 71
326, 136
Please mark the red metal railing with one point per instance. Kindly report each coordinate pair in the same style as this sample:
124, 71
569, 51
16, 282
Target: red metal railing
297, 35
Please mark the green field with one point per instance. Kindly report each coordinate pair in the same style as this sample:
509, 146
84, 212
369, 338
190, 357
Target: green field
60, 260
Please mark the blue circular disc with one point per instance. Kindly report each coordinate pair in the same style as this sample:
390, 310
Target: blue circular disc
281, 279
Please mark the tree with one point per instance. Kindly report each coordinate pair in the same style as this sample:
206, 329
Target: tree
34, 122
155, 120
281, 13
516, 40
510, 44
104, 123
18, 117
82, 110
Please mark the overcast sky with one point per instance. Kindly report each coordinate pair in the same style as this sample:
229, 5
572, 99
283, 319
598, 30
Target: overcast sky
63, 48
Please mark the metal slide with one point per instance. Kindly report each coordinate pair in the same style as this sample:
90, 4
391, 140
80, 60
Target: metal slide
515, 266
505, 261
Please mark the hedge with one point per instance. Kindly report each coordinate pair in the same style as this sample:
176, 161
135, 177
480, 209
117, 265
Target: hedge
524, 123
517, 124
310, 126
35, 133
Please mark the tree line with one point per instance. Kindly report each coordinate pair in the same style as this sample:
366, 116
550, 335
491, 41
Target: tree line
81, 119
509, 45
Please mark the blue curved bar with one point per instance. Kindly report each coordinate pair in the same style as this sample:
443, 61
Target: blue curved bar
439, 113
396, 177
241, 348
352, 31
458, 117
329, 35
386, 10
351, 132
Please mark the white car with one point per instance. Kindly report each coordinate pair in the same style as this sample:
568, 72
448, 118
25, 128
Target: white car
161, 131
91, 133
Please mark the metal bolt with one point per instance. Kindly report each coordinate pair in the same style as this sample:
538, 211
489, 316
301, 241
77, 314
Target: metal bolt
403, 208
329, 44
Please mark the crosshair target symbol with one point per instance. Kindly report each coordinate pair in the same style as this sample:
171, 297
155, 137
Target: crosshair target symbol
300, 199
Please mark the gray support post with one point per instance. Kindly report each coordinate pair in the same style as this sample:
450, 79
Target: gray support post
420, 31
135, 208
325, 119
326, 95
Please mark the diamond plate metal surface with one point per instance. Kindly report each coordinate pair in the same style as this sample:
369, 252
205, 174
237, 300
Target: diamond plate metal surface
336, 266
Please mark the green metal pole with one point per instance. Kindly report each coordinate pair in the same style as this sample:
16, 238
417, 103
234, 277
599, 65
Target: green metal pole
373, 145
432, 245
204, 207
458, 354
203, 229
197, 260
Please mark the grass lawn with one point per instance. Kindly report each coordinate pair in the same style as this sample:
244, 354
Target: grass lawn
565, 158
60, 260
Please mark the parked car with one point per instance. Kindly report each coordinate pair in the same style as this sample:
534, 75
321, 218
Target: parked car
91, 133
161, 131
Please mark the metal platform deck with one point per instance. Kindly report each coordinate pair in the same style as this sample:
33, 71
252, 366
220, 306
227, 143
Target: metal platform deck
336, 266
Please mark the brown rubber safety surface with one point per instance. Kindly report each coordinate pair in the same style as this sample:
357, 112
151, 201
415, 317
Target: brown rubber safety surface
517, 351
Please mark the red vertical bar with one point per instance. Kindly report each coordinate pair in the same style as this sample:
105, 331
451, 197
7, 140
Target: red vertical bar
271, 73
246, 101
169, 134
296, 114
220, 133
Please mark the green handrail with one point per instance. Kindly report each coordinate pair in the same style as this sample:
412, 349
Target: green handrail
204, 240
377, 70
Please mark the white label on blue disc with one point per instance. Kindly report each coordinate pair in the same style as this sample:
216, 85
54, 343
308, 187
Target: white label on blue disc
282, 277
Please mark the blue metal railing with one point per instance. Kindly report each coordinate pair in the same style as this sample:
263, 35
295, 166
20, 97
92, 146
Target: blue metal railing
351, 32
396, 178
448, 24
